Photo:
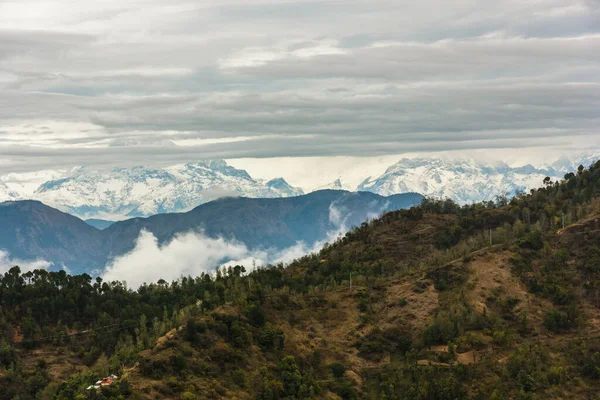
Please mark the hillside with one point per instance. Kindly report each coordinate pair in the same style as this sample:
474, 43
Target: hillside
35, 231
489, 301
31, 230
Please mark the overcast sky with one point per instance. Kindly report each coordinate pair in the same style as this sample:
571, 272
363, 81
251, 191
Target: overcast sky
154, 82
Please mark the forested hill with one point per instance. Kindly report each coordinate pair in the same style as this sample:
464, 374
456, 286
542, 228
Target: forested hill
32, 230
496, 300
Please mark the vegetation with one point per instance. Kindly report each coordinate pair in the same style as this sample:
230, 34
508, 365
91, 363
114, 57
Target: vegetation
487, 301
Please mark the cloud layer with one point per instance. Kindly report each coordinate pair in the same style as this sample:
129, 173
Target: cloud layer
190, 254
108, 83
6, 263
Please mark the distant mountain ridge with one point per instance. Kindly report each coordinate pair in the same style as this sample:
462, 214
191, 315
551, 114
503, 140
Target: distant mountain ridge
32, 230
99, 223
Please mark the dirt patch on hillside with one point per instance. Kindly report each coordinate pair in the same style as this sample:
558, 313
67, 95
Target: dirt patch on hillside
332, 326
491, 281
163, 340
409, 305
467, 358
59, 362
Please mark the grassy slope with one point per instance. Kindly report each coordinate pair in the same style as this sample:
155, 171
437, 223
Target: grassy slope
332, 323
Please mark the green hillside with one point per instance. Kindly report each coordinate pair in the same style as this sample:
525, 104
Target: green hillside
498, 300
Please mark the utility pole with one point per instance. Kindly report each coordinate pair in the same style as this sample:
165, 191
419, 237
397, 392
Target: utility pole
350, 280
490, 237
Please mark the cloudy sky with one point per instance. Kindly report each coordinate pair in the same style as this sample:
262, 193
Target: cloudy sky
114, 83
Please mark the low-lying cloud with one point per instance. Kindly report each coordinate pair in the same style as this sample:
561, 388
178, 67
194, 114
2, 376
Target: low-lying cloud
190, 254
6, 263
187, 254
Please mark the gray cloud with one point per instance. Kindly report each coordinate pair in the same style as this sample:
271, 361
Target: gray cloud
154, 83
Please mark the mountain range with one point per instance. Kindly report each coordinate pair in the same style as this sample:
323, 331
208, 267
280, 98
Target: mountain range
32, 230
466, 180
139, 192
124, 193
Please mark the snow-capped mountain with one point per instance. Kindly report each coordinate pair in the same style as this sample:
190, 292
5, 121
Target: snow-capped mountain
467, 180
139, 191
335, 185
17, 186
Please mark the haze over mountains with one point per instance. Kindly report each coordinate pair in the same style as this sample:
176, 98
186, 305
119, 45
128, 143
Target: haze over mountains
32, 230
140, 192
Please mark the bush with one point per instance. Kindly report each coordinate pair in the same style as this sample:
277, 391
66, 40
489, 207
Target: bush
527, 365
445, 328
175, 384
557, 321
586, 357
500, 338
338, 370
256, 316
533, 240
270, 339
377, 343
239, 378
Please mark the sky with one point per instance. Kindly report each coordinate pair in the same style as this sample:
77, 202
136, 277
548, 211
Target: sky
148, 82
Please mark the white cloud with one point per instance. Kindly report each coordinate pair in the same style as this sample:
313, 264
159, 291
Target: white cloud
187, 254
191, 254
6, 263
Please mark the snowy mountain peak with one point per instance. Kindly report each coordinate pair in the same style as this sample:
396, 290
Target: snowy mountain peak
467, 180
335, 185
139, 191
281, 186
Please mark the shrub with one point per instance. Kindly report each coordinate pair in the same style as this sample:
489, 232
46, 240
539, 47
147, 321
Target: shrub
586, 357
270, 339
557, 321
256, 316
338, 369
533, 240
239, 378
377, 343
